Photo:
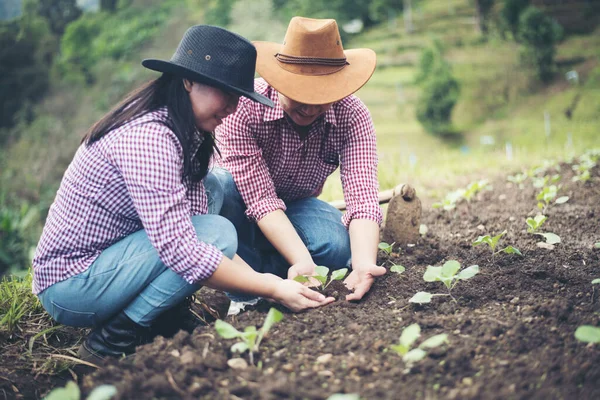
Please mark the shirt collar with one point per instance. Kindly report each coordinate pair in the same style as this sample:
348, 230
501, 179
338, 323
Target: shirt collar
276, 113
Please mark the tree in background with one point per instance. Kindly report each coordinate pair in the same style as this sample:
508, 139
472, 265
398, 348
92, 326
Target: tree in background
109, 6
539, 34
483, 9
218, 12
510, 14
59, 13
440, 92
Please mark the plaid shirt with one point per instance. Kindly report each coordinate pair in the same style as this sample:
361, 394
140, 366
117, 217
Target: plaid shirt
272, 165
131, 179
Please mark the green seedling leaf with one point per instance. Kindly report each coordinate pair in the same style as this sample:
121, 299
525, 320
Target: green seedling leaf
302, 279
343, 396
432, 274
496, 238
597, 245
321, 271
596, 281
339, 274
450, 268
434, 341
423, 229
322, 279
239, 347
69, 392
511, 250
399, 349
535, 223
588, 334
562, 200
414, 356
103, 392
386, 247
397, 269
551, 238
409, 335
483, 239
273, 316
469, 272
226, 331
421, 298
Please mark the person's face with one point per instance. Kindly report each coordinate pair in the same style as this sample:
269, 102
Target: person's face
302, 114
210, 105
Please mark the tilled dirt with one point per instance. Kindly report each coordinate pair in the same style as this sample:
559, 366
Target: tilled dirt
511, 329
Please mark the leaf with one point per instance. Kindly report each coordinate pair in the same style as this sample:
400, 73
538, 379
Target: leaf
434, 341
239, 347
432, 274
339, 274
496, 238
421, 298
597, 245
400, 349
511, 250
423, 229
595, 281
386, 247
414, 355
469, 272
226, 330
321, 270
450, 268
344, 396
397, 269
483, 239
409, 335
551, 238
273, 316
322, 279
562, 200
103, 392
69, 392
301, 279
540, 219
588, 334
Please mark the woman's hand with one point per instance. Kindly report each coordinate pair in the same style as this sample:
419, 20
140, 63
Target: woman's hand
298, 297
306, 268
361, 279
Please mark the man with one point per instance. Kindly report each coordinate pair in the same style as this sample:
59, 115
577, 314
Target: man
277, 160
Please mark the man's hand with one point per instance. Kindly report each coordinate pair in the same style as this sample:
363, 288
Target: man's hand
361, 279
297, 297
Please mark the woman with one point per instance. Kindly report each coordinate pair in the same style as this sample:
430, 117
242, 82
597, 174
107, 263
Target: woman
128, 236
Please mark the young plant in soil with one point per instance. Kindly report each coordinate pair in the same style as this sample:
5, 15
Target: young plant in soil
596, 281
387, 249
588, 334
546, 196
518, 179
492, 241
534, 224
447, 274
71, 391
251, 337
409, 336
321, 274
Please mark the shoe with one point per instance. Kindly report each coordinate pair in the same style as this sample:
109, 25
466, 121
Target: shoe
116, 338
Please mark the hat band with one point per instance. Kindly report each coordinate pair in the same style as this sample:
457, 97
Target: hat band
310, 65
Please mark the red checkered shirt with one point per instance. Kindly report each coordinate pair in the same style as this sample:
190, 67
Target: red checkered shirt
131, 179
272, 165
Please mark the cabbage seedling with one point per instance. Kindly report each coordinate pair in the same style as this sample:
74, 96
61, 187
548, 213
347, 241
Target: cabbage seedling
321, 273
547, 195
596, 281
518, 179
409, 336
588, 334
251, 337
447, 274
386, 247
535, 223
476, 187
492, 241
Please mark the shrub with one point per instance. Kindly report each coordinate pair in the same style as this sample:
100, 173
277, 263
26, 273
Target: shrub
539, 34
510, 14
440, 92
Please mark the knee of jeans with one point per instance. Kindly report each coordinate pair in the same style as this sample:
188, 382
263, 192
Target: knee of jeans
227, 240
332, 248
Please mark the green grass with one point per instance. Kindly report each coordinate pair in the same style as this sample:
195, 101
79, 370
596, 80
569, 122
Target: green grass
16, 302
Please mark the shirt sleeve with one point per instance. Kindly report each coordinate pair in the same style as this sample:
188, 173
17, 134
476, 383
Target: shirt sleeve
242, 157
358, 169
150, 161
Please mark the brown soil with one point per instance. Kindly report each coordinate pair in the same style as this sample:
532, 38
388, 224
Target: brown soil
510, 331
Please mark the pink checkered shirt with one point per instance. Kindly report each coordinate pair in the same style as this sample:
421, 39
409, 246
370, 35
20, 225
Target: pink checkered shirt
271, 165
131, 179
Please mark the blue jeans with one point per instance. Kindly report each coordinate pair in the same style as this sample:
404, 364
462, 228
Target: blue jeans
318, 224
129, 276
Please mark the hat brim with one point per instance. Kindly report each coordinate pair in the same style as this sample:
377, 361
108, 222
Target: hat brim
315, 89
174, 69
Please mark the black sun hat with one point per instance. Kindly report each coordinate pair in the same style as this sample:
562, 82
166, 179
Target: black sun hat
213, 55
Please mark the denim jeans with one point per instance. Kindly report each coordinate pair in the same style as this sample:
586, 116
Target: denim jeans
129, 276
318, 224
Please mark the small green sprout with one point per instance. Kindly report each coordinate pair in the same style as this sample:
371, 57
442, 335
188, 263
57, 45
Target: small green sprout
517, 179
344, 396
551, 238
586, 162
449, 202
535, 223
588, 334
547, 195
597, 245
476, 187
399, 269
409, 336
386, 247
251, 337
596, 281
448, 275
71, 392
492, 241
321, 274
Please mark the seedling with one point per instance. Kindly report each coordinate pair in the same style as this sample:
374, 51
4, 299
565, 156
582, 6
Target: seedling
597, 245
476, 187
449, 202
409, 336
596, 281
535, 223
399, 269
588, 334
586, 162
547, 195
386, 247
321, 274
448, 275
71, 392
250, 337
518, 179
492, 241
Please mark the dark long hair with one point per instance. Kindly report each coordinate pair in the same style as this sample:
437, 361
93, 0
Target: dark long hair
168, 90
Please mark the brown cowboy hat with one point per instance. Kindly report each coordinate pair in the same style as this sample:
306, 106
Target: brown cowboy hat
311, 66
